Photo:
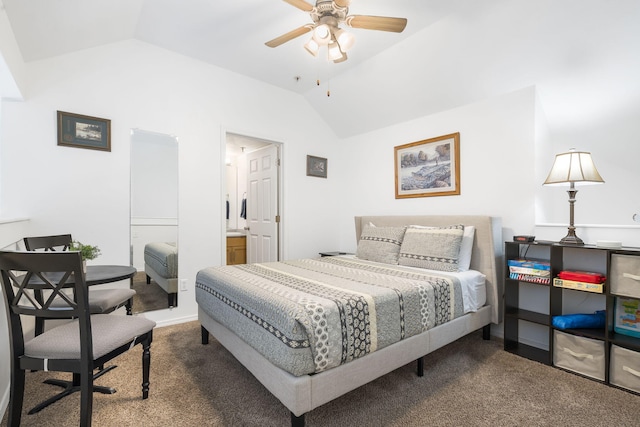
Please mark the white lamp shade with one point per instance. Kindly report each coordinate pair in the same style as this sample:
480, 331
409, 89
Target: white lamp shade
341, 59
573, 167
344, 39
334, 51
312, 47
322, 34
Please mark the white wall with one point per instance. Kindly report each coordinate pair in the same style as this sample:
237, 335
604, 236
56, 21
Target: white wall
492, 134
86, 192
154, 175
10, 233
505, 150
11, 65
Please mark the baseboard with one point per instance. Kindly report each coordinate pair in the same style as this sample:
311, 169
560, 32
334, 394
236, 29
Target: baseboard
176, 321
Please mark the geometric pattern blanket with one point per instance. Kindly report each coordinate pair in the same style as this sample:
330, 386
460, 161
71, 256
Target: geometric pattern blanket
310, 315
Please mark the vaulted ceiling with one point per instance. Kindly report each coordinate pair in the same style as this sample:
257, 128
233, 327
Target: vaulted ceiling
581, 54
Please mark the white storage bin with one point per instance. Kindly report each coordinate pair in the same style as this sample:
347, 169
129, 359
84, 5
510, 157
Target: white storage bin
625, 275
578, 354
625, 368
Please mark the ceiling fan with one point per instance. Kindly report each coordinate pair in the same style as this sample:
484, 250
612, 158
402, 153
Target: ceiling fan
327, 16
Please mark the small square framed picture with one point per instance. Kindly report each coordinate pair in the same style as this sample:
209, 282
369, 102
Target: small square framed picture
316, 166
76, 130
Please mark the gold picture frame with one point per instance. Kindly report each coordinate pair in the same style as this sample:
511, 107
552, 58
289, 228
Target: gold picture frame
427, 168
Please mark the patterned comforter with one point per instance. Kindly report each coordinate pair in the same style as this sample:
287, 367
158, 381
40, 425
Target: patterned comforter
162, 258
310, 315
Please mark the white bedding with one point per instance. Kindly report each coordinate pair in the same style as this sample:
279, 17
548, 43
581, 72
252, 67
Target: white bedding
474, 291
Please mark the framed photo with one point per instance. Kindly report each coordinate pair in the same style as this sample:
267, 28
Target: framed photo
316, 166
428, 168
76, 130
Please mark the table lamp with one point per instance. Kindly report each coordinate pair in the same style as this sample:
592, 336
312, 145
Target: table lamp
573, 168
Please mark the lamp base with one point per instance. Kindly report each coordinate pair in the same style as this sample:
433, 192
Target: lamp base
571, 239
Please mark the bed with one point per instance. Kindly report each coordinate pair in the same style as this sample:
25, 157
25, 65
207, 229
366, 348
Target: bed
161, 265
387, 316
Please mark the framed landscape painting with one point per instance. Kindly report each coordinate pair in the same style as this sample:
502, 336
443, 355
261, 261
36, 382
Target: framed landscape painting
428, 168
76, 130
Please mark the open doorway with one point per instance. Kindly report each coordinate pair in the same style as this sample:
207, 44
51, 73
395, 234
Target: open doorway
252, 200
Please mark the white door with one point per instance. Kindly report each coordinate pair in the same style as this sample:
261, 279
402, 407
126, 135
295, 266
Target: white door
262, 205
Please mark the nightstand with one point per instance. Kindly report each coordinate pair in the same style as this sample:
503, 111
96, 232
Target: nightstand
323, 254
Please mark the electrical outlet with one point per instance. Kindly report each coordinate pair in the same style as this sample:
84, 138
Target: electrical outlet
183, 284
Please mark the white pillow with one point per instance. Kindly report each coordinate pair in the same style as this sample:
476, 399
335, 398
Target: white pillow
464, 257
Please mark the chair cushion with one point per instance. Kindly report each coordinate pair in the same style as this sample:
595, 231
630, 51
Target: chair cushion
102, 300
109, 331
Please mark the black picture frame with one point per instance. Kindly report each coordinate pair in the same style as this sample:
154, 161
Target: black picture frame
316, 166
77, 130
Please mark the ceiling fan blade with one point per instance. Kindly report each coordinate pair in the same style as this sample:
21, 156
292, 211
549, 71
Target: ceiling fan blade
289, 36
300, 4
342, 3
380, 23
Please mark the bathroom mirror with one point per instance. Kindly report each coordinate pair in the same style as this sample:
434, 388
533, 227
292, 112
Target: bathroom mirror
154, 219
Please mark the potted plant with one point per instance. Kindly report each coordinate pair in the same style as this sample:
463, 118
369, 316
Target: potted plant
86, 251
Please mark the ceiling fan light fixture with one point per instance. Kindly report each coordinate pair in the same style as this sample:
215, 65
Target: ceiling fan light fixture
334, 51
322, 34
312, 47
344, 39
341, 59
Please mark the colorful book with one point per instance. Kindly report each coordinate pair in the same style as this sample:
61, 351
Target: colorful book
627, 316
530, 278
579, 286
530, 271
536, 264
582, 276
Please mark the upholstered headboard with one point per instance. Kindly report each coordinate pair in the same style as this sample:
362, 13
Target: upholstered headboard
486, 256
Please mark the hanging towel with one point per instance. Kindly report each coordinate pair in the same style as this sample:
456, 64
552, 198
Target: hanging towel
243, 209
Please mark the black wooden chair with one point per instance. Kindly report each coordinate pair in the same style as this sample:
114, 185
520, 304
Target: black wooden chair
78, 346
101, 301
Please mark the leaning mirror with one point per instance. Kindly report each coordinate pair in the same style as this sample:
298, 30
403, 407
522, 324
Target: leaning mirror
154, 219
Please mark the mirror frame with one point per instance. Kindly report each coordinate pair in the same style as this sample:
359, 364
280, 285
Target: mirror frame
151, 217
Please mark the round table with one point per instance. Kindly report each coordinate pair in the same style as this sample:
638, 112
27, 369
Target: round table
95, 275
99, 274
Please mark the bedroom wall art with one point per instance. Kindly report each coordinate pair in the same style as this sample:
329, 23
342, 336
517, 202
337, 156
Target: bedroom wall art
430, 167
316, 166
76, 130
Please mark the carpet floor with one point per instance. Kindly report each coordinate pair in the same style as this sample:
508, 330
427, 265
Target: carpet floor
148, 297
470, 382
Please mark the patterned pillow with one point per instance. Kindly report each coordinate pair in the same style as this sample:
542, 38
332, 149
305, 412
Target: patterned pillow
433, 248
380, 244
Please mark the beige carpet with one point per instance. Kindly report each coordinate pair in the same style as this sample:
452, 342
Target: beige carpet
148, 297
468, 383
